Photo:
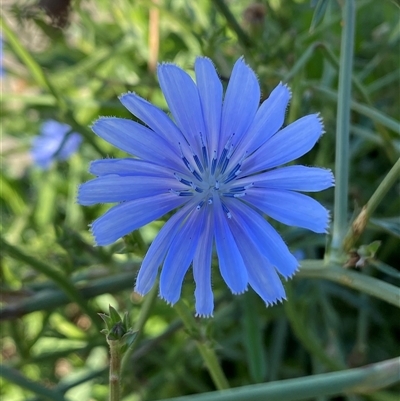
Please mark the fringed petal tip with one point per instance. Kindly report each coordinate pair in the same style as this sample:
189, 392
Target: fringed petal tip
333, 181
276, 301
167, 64
98, 121
95, 237
170, 303
321, 121
204, 315
328, 221
291, 275
286, 86
239, 292
96, 244
78, 197
126, 94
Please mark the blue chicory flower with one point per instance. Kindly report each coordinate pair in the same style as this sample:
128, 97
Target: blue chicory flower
53, 144
216, 165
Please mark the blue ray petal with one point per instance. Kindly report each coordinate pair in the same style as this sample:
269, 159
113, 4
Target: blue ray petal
202, 268
128, 167
157, 251
115, 188
290, 208
210, 91
294, 178
183, 100
263, 277
288, 144
136, 139
180, 256
231, 263
154, 118
268, 120
127, 217
241, 101
264, 236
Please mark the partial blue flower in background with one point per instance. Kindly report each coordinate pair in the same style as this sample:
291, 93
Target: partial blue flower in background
217, 165
54, 144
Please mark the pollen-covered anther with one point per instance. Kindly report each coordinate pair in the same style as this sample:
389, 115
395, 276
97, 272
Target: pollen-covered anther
199, 206
226, 210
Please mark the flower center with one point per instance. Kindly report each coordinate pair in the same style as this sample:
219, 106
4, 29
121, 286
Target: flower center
209, 178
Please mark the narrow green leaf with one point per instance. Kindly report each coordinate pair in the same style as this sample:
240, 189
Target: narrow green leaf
17, 378
389, 224
253, 339
319, 12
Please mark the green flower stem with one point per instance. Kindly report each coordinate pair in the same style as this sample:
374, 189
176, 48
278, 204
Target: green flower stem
53, 298
33, 67
141, 352
357, 281
58, 278
206, 352
343, 129
144, 315
115, 370
361, 221
230, 18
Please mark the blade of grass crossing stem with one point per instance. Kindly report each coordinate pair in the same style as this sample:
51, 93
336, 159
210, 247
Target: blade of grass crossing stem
362, 380
358, 281
15, 377
58, 278
343, 129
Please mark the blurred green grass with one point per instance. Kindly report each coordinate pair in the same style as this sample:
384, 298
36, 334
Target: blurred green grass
75, 74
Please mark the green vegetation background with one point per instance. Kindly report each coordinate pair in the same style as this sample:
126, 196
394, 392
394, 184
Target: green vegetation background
71, 66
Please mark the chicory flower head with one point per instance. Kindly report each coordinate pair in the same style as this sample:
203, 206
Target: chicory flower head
54, 144
216, 165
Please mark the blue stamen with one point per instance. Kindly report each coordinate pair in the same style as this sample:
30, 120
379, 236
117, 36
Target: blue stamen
198, 163
181, 193
197, 175
225, 152
182, 180
214, 163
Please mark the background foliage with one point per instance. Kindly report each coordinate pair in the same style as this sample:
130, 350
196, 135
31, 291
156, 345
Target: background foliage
69, 62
